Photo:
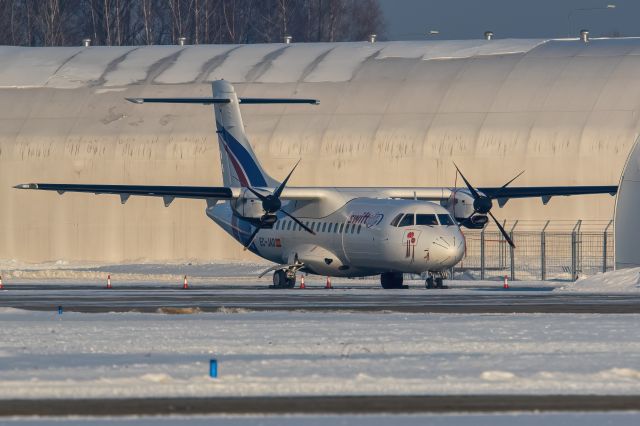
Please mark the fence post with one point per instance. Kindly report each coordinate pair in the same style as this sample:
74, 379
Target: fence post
604, 247
574, 251
482, 254
543, 252
512, 253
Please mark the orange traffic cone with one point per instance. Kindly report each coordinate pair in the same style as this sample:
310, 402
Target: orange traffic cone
185, 285
328, 283
1, 286
302, 282
109, 281
505, 285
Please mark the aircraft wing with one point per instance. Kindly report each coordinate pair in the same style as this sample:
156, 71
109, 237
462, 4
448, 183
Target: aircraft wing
168, 193
544, 192
335, 194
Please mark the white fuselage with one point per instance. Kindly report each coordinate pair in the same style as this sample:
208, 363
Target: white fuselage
357, 239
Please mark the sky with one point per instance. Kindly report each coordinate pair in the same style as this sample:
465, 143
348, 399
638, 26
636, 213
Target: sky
468, 19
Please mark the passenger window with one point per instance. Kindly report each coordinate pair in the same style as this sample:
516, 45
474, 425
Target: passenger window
359, 227
341, 227
396, 220
445, 220
346, 228
426, 219
324, 226
329, 227
335, 228
288, 225
407, 220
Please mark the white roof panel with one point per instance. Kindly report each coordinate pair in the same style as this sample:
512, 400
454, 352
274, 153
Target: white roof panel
25, 67
242, 60
86, 67
136, 66
292, 63
341, 63
191, 62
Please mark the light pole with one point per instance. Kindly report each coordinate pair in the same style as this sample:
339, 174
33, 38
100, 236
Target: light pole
587, 9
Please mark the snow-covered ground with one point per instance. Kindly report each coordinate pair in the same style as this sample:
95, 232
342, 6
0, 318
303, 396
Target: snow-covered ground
46, 355
246, 273
622, 281
499, 419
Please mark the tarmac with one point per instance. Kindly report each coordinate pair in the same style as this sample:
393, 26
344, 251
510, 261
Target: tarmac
390, 404
155, 298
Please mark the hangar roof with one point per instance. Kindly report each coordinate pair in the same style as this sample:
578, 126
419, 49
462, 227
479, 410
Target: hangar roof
74, 67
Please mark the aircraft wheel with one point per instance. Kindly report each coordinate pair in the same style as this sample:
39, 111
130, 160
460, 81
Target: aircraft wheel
291, 282
390, 280
439, 282
429, 282
280, 279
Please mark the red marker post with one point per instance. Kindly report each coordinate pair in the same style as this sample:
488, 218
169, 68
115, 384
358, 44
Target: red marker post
328, 285
109, 281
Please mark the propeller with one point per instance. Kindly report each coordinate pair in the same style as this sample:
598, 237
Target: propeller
271, 204
483, 204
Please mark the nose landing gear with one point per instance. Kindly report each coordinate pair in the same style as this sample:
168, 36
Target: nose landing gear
435, 280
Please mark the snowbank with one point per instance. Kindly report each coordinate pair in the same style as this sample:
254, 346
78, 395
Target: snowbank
622, 281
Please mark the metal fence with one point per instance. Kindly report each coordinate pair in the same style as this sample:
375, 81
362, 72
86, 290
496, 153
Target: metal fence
551, 250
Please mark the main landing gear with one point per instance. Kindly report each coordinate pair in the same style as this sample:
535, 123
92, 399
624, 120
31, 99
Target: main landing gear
390, 280
435, 280
284, 278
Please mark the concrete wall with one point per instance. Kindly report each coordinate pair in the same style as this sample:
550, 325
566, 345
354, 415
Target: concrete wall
394, 114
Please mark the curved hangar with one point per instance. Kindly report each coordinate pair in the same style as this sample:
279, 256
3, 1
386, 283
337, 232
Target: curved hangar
391, 114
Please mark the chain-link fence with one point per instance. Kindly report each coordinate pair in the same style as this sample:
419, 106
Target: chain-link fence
552, 250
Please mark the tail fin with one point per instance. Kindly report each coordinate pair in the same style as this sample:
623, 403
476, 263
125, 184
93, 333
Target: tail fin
239, 164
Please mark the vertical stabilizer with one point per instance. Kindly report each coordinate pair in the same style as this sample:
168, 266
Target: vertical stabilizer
240, 166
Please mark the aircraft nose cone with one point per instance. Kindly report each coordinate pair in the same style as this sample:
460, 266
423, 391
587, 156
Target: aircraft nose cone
447, 249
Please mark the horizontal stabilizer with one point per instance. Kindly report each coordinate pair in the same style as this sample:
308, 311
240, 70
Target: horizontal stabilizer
210, 101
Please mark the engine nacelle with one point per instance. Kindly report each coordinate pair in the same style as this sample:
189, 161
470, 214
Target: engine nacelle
248, 205
460, 205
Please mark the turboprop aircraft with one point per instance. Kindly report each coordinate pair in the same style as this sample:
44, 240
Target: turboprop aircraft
331, 231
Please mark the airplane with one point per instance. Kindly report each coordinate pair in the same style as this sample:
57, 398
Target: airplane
330, 231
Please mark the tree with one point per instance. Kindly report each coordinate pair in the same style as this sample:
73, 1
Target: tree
134, 22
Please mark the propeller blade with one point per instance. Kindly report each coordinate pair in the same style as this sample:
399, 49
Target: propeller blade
253, 236
471, 188
497, 193
517, 176
279, 190
257, 194
305, 227
504, 233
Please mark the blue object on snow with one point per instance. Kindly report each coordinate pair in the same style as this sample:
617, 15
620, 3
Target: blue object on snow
213, 368
59, 310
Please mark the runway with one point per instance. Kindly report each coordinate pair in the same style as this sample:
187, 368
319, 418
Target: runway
155, 298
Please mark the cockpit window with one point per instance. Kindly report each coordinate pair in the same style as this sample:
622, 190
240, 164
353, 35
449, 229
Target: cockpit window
407, 220
426, 219
396, 220
445, 220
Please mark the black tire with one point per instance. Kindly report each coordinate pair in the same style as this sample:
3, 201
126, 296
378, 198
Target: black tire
439, 283
280, 279
429, 283
291, 283
391, 280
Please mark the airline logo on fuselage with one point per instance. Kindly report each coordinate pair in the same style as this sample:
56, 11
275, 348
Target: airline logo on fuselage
367, 219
